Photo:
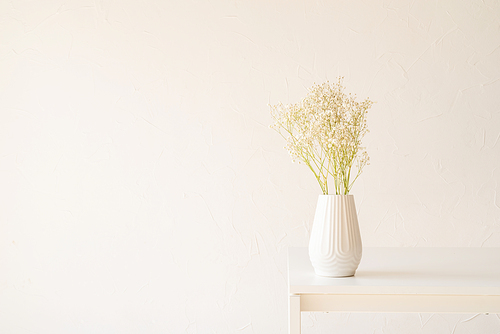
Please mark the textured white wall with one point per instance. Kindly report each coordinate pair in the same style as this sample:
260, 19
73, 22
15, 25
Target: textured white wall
142, 191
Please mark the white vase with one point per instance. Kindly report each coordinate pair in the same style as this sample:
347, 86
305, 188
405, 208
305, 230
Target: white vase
335, 246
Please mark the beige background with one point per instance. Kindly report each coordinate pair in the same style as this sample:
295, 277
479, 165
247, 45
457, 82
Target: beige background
143, 192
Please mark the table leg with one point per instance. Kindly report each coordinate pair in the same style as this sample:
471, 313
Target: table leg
294, 314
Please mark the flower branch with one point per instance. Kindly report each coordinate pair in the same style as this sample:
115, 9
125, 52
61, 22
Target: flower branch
324, 131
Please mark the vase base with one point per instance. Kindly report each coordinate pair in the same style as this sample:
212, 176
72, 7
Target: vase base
334, 275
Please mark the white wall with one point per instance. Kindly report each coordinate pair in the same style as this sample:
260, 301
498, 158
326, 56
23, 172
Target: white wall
143, 192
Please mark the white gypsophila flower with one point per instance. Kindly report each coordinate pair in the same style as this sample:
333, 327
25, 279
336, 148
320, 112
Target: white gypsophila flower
324, 131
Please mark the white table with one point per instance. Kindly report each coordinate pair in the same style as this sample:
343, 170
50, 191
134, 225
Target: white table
437, 280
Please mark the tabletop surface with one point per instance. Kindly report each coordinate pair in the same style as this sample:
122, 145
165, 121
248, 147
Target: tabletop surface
417, 270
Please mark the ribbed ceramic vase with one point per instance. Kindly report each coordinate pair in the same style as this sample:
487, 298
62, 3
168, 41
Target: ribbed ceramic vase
335, 246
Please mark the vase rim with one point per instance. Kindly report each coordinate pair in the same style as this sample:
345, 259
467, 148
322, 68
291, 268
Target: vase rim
335, 195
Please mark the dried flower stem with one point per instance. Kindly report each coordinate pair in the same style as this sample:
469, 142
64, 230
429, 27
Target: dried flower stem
324, 131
